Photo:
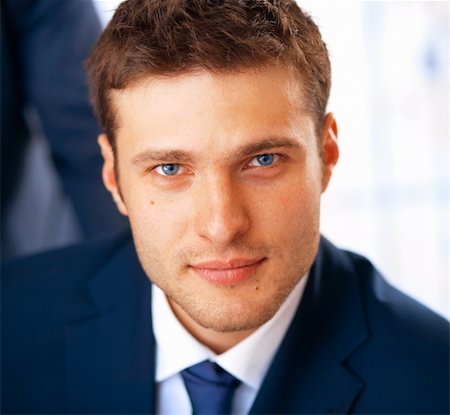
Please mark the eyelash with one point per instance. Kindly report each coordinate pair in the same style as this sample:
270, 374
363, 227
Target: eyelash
276, 159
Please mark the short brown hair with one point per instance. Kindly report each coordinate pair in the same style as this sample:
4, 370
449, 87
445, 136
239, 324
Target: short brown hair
171, 37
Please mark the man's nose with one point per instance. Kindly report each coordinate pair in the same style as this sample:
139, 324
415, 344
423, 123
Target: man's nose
222, 214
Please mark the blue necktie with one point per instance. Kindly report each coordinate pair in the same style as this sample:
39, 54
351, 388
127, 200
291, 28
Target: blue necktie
210, 388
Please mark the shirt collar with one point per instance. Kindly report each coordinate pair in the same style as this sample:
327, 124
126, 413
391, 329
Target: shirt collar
176, 349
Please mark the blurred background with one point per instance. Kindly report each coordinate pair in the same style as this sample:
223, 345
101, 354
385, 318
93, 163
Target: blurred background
51, 188
389, 196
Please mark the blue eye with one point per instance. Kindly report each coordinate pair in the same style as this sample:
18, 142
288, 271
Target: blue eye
263, 160
168, 169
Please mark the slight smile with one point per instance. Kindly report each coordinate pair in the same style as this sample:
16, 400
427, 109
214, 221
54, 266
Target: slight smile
227, 272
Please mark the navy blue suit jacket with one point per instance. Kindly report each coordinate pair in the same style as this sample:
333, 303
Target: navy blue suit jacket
77, 338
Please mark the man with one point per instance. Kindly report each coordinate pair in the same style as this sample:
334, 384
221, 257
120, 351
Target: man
217, 147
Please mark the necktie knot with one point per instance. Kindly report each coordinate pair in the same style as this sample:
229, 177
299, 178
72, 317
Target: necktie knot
210, 388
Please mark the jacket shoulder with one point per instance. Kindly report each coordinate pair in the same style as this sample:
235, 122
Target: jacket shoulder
86, 255
386, 308
33, 283
393, 308
405, 357
42, 297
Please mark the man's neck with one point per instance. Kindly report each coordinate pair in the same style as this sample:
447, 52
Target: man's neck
216, 341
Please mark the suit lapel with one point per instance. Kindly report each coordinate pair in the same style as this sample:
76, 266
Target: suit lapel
308, 373
110, 365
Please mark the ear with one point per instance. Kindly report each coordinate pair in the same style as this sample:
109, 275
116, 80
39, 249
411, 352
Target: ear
330, 149
109, 174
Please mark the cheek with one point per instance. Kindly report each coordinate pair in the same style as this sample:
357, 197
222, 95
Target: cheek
157, 218
152, 218
298, 196
158, 230
290, 212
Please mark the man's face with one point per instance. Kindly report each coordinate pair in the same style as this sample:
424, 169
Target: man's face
221, 178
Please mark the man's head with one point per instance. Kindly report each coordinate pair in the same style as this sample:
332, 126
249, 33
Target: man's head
215, 111
172, 37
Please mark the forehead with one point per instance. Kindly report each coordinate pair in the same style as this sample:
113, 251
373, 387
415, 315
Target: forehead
209, 111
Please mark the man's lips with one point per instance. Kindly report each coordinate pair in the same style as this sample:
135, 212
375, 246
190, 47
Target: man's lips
229, 271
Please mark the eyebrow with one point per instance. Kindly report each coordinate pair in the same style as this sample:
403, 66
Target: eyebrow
178, 156
149, 156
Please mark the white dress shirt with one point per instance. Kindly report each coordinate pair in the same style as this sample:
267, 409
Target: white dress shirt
247, 361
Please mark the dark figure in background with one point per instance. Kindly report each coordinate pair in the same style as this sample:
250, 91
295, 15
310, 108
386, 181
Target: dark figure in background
43, 87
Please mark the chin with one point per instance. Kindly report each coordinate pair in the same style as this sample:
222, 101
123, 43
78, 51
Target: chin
235, 317
231, 326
